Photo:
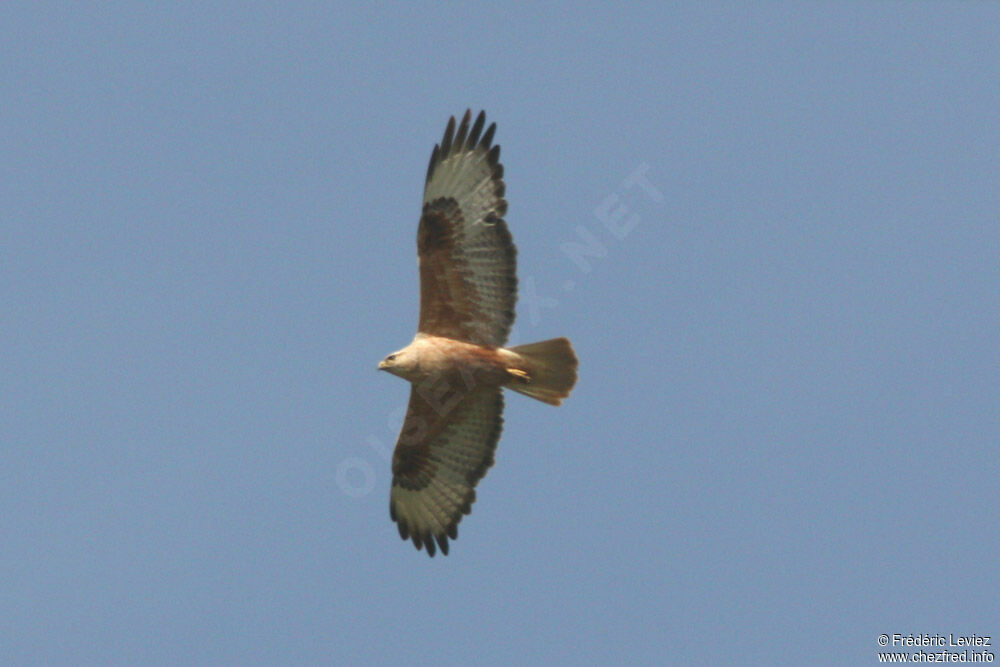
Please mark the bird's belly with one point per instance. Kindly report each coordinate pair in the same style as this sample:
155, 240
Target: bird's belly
467, 362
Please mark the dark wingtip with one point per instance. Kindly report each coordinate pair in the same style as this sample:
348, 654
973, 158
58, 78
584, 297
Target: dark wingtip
494, 157
433, 162
442, 541
477, 128
463, 131
488, 137
429, 543
465, 138
449, 135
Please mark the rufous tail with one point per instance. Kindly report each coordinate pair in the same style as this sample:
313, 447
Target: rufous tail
547, 370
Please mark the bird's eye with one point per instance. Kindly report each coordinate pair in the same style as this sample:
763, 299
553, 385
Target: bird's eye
391, 357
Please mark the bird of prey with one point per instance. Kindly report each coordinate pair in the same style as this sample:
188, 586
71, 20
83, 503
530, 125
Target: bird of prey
457, 362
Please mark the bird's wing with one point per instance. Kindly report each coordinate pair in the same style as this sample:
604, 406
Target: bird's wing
468, 281
441, 454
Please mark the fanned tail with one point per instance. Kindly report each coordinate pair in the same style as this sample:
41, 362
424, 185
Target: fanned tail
546, 370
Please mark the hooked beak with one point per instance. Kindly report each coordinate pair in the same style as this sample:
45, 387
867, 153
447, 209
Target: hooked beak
381, 366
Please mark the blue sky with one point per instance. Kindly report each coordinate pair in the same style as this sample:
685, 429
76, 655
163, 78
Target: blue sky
784, 438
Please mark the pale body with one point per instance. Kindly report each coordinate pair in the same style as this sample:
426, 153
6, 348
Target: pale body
433, 356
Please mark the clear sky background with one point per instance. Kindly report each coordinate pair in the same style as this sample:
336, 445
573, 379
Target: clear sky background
772, 232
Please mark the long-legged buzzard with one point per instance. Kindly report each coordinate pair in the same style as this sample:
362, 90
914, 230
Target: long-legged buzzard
457, 364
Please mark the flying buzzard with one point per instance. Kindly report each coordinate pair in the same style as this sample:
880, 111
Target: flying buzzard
456, 363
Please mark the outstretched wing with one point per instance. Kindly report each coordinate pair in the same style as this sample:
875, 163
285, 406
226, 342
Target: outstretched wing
440, 457
468, 281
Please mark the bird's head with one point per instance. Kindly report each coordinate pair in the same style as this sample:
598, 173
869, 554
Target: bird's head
403, 363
